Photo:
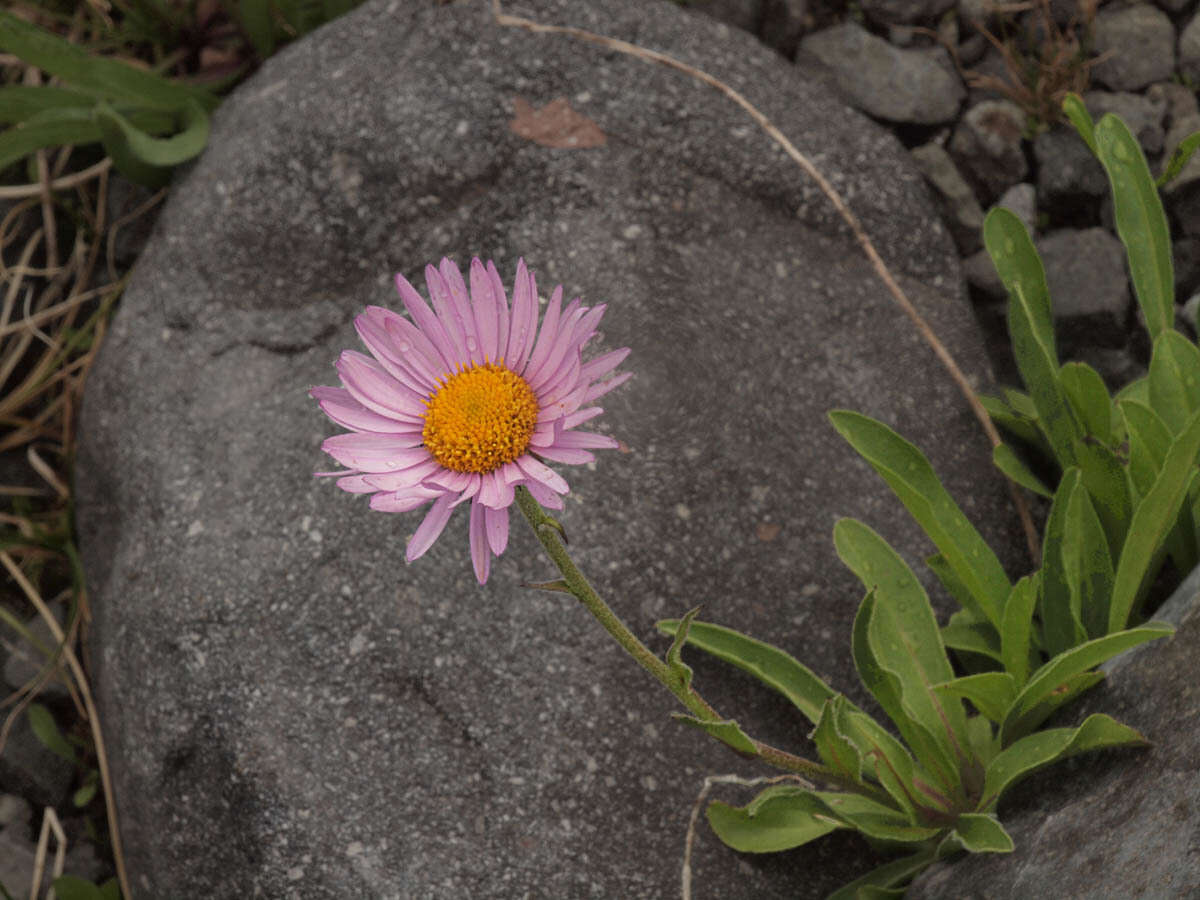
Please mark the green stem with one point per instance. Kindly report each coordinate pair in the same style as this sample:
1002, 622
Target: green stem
549, 533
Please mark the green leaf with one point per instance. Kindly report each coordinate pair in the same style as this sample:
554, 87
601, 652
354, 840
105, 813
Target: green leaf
884, 757
1088, 566
111, 889
1179, 158
894, 874
69, 887
1137, 390
675, 662
1079, 116
1149, 438
1021, 424
1141, 223
770, 665
1089, 398
255, 16
87, 791
21, 102
1039, 712
982, 739
777, 819
911, 477
95, 75
1036, 751
1059, 631
981, 833
145, 159
51, 128
1016, 632
874, 820
1152, 521
836, 750
1051, 677
46, 731
727, 731
1105, 478
1174, 379
991, 692
1031, 327
1007, 461
967, 632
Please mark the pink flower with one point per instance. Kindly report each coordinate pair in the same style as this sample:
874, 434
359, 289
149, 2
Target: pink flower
467, 401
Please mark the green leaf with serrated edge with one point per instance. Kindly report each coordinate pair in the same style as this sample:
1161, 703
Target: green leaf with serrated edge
834, 748
1077, 114
145, 159
966, 631
1106, 481
1006, 460
1042, 748
1015, 634
1058, 628
1089, 398
1174, 379
894, 874
674, 660
1141, 223
884, 757
1053, 674
95, 75
1152, 521
909, 474
982, 833
873, 819
782, 822
1062, 695
991, 692
1179, 158
46, 731
770, 665
1088, 566
71, 887
727, 731
888, 688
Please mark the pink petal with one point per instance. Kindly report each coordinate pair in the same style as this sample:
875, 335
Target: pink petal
480, 555
356, 484
429, 529
543, 473
428, 323
546, 334
566, 455
419, 352
404, 478
342, 408
494, 491
374, 335
448, 315
375, 389
497, 528
543, 495
576, 419
451, 480
402, 501
603, 364
587, 439
523, 326
564, 352
564, 381
502, 314
374, 452
463, 309
471, 490
600, 388
484, 306
548, 412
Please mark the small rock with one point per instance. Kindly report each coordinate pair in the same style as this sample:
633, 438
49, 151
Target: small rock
1143, 114
1022, 200
744, 14
1189, 50
916, 86
1174, 7
972, 49
1085, 272
906, 12
961, 210
1066, 167
1138, 42
1190, 310
1179, 100
987, 145
783, 23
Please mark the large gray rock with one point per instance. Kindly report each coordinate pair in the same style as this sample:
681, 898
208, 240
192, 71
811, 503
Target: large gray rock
1137, 43
1119, 824
293, 712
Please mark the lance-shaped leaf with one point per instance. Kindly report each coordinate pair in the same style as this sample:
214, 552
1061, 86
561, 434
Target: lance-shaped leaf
1039, 750
983, 739
1054, 674
909, 474
1152, 521
1179, 158
979, 833
1088, 566
1174, 379
1141, 223
727, 731
968, 632
1007, 461
889, 877
1018, 420
1016, 632
873, 819
777, 819
1105, 478
21, 102
836, 750
1149, 437
885, 758
1089, 398
875, 652
145, 159
1078, 115
1039, 712
992, 693
50, 128
1061, 628
770, 665
1031, 328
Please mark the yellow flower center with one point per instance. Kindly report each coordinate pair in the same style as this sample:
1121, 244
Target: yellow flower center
480, 419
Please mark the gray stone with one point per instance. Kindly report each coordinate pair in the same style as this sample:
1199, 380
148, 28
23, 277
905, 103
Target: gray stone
987, 144
1138, 43
292, 711
1066, 167
960, 209
1189, 50
1142, 114
1190, 312
1022, 200
1186, 254
1181, 129
26, 661
743, 14
1118, 824
27, 768
904, 12
128, 207
915, 86
783, 24
1085, 272
981, 275
1173, 7
1179, 100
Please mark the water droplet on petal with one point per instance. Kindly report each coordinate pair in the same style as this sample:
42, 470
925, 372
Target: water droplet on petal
404, 347
472, 344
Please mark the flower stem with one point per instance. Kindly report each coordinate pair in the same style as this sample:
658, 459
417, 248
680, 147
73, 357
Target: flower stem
549, 533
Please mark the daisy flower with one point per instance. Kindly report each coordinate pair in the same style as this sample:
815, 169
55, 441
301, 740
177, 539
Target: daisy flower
466, 402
